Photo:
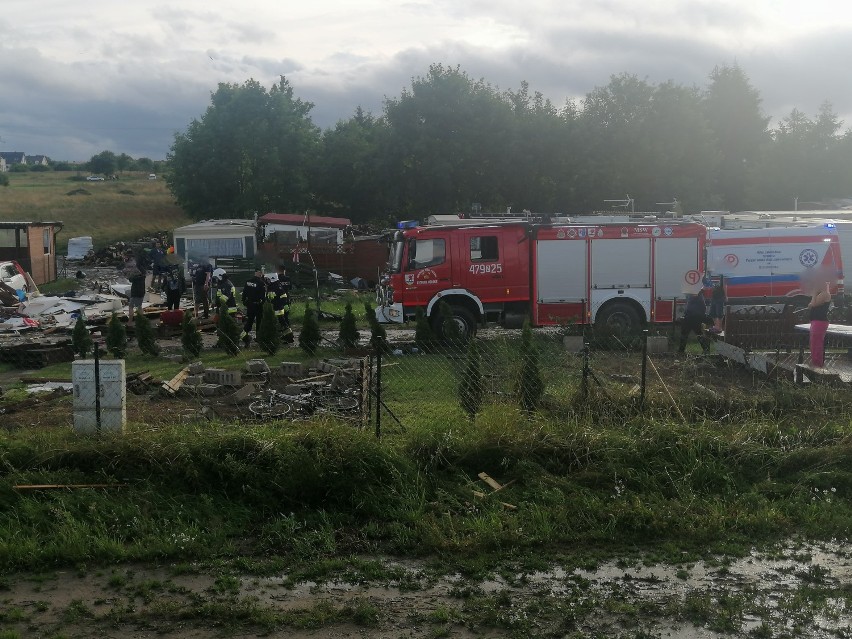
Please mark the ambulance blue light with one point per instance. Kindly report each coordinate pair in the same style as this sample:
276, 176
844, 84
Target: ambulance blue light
407, 224
829, 225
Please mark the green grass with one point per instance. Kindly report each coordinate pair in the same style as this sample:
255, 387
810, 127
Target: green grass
105, 213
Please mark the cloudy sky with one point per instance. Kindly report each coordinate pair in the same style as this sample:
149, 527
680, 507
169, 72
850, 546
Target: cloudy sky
79, 78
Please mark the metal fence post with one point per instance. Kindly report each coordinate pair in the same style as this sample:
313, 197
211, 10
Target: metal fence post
644, 367
379, 392
97, 389
584, 387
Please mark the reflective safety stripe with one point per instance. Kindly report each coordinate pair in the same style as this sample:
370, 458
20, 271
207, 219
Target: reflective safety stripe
281, 312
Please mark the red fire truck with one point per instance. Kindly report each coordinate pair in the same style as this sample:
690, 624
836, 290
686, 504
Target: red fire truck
619, 274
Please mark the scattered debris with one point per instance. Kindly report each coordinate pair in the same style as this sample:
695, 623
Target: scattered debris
495, 488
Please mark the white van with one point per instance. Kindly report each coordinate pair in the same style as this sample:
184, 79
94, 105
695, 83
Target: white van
152, 176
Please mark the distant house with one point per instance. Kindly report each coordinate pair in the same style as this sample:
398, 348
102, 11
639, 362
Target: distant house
37, 159
13, 157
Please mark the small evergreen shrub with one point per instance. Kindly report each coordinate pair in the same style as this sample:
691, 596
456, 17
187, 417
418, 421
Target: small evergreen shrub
470, 386
116, 337
424, 337
190, 336
228, 331
378, 334
145, 336
269, 333
348, 336
529, 385
450, 331
81, 341
309, 337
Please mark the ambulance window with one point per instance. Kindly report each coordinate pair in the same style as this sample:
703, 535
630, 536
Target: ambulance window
428, 253
484, 249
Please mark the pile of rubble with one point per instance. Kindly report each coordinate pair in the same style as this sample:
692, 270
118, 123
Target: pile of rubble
113, 255
219, 388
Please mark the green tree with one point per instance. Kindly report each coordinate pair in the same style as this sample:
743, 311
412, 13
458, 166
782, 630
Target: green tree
146, 338
268, 333
252, 151
450, 140
81, 340
104, 162
348, 335
350, 172
470, 389
146, 165
4, 179
228, 331
190, 336
529, 385
116, 337
733, 112
123, 162
309, 336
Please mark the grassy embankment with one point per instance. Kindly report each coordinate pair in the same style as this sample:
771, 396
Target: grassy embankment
594, 479
123, 209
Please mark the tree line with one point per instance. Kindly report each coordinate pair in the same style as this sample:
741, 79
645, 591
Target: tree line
450, 142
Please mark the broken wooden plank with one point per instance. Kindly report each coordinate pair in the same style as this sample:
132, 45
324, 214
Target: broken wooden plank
490, 481
173, 385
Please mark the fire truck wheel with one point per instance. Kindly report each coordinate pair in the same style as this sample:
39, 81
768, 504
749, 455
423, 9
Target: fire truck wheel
620, 317
465, 321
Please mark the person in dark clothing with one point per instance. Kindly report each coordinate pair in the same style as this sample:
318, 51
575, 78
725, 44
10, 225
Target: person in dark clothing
277, 293
694, 318
717, 305
159, 267
175, 285
225, 291
202, 275
253, 296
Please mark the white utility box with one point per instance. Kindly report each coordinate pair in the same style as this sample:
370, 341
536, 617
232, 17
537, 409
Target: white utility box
113, 396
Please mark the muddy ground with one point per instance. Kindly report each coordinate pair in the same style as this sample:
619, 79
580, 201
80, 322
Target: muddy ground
766, 594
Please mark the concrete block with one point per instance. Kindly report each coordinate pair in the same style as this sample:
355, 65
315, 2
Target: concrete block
292, 369
255, 366
230, 378
658, 344
211, 375
193, 380
210, 390
196, 368
241, 395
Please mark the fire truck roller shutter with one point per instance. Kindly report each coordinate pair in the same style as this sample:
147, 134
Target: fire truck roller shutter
622, 316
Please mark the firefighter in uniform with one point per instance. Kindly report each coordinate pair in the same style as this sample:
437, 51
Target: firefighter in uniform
224, 291
253, 297
277, 292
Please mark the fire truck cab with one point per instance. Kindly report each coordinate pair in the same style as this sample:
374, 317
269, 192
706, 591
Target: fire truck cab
623, 275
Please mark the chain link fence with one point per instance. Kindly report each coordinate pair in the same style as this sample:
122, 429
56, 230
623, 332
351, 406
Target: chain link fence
500, 374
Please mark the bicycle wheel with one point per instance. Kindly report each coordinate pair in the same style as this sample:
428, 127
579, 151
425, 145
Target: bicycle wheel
267, 409
339, 404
